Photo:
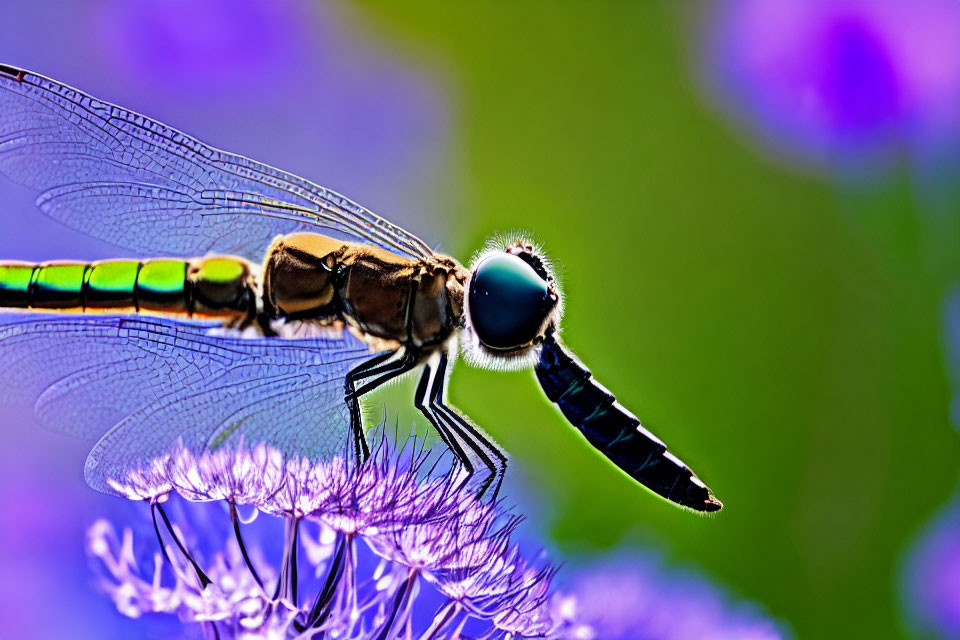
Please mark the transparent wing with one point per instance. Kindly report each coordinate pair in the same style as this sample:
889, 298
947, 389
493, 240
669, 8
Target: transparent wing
139, 385
139, 184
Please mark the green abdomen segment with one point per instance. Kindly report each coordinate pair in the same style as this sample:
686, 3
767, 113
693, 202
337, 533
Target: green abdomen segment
219, 286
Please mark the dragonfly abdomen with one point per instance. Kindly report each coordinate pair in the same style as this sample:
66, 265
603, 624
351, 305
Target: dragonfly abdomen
216, 286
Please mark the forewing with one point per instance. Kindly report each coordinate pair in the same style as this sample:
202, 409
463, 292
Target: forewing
138, 386
139, 184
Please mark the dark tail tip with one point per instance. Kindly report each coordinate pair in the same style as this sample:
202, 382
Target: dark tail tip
712, 504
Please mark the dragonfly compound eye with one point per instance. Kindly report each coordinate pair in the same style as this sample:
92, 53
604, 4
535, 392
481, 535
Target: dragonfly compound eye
509, 302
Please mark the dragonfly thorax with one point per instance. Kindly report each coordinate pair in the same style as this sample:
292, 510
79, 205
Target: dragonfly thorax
381, 295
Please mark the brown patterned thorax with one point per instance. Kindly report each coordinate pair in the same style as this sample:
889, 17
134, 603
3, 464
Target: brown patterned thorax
382, 295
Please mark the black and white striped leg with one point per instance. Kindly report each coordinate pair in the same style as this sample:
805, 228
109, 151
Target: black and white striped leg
491, 455
424, 402
381, 369
360, 449
456, 430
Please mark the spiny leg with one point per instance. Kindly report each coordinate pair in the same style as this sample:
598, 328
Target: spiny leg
426, 408
483, 448
492, 458
382, 369
353, 402
379, 365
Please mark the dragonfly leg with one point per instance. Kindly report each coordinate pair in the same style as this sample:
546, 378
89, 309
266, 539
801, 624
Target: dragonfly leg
427, 382
422, 387
382, 368
454, 429
353, 403
481, 444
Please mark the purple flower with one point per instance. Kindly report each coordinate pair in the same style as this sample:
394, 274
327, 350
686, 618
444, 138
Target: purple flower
233, 597
839, 80
151, 483
183, 45
396, 548
393, 548
931, 578
632, 596
931, 581
241, 476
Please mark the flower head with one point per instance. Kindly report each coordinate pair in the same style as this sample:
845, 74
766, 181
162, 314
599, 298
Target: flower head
370, 551
151, 483
233, 598
931, 585
396, 548
386, 493
632, 596
240, 475
843, 80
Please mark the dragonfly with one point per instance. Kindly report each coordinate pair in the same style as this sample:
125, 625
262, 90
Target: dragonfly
272, 305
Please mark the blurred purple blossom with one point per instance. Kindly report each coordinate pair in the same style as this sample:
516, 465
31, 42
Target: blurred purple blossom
931, 581
840, 81
181, 44
632, 595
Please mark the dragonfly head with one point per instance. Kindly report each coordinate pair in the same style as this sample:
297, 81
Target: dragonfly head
512, 302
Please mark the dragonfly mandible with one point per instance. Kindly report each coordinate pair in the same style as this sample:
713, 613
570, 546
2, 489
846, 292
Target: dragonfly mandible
291, 304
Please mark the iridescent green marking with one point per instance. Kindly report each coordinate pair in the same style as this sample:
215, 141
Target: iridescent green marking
114, 276
15, 284
57, 286
111, 284
219, 285
211, 286
160, 285
220, 270
162, 276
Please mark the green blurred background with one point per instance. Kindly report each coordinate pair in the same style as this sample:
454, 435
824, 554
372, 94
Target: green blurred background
779, 330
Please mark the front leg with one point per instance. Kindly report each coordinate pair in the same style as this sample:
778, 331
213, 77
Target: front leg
381, 368
455, 430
